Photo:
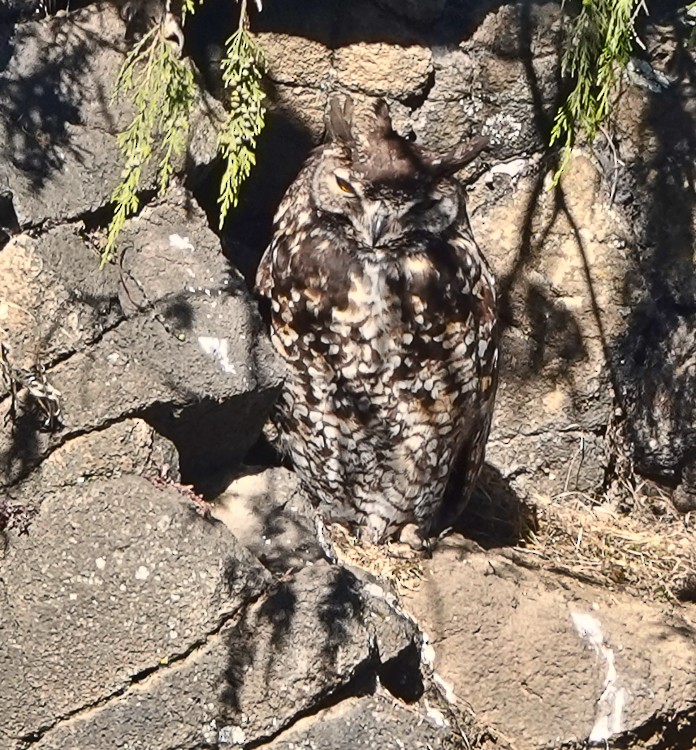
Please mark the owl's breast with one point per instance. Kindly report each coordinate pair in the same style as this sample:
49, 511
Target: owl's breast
386, 314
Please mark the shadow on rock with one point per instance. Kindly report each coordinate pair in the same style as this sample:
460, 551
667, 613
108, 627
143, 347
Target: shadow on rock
24, 451
495, 516
295, 651
40, 109
655, 357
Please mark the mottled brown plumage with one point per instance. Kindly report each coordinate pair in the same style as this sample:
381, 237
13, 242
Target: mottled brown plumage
384, 309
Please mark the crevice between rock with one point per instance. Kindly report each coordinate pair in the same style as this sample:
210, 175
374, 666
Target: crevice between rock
140, 678
362, 682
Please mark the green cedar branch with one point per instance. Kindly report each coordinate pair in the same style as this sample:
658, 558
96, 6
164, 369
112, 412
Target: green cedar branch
242, 71
162, 89
598, 45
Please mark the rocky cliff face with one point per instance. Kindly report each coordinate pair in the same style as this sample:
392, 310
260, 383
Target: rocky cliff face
135, 614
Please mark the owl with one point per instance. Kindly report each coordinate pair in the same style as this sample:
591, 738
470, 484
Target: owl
384, 310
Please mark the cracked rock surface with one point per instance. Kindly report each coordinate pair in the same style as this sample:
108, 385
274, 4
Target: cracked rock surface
616, 662
114, 605
57, 133
172, 337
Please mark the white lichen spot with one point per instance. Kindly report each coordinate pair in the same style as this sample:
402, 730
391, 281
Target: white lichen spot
611, 703
231, 735
219, 349
178, 242
100, 563
510, 168
142, 573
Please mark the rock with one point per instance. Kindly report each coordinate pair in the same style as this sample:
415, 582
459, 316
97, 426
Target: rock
375, 721
295, 60
305, 640
383, 70
115, 579
305, 107
656, 371
58, 130
268, 514
54, 298
186, 347
684, 500
465, 99
558, 306
245, 681
127, 447
549, 661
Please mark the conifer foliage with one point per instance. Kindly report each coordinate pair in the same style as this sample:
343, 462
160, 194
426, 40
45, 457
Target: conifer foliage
161, 88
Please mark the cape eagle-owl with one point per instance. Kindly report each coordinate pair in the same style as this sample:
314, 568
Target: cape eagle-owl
384, 310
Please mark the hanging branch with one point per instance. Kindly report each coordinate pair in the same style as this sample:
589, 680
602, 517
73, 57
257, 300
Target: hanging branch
599, 42
242, 70
162, 89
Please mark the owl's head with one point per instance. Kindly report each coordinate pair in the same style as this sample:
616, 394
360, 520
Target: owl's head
384, 187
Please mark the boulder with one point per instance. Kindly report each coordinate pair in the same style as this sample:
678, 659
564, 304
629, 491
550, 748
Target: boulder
373, 721
95, 597
549, 661
58, 125
171, 336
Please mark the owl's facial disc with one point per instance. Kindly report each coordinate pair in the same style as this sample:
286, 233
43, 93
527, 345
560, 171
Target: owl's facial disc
380, 220
434, 210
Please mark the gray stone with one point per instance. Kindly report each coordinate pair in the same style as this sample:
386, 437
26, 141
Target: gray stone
371, 722
116, 578
268, 514
57, 126
305, 640
127, 447
249, 679
656, 372
176, 707
191, 356
295, 60
303, 106
383, 69
54, 298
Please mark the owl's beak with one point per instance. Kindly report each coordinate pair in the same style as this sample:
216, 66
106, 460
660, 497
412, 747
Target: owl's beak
377, 225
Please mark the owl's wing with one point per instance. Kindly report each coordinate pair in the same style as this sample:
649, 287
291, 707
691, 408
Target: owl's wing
264, 279
469, 460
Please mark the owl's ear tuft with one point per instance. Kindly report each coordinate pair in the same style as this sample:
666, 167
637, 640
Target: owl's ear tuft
340, 120
383, 119
458, 157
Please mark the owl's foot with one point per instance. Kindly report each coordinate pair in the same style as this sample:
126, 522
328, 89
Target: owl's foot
412, 536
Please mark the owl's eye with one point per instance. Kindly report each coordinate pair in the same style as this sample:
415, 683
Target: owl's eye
345, 186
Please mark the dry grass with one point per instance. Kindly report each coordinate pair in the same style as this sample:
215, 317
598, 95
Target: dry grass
646, 548
652, 555
396, 564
